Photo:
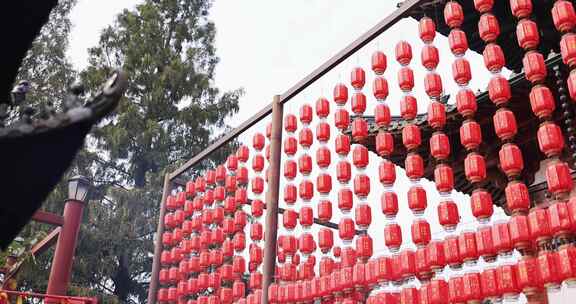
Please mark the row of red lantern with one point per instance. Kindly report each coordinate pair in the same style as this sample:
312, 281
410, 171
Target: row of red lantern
564, 17
226, 295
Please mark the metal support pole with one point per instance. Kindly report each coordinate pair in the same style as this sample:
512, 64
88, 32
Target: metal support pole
272, 197
153, 287
63, 257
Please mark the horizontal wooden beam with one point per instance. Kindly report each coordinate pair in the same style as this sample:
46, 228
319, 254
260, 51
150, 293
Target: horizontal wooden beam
48, 218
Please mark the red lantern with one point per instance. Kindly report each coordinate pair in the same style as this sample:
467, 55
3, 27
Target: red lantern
411, 137
488, 28
340, 94
306, 243
453, 14
436, 115
438, 291
346, 229
528, 274
501, 237
421, 234
406, 79
323, 157
414, 166
306, 216
357, 78
521, 8
505, 124
324, 210
440, 145
433, 85
341, 119
403, 52
358, 103
417, 200
435, 255
452, 251
429, 57
406, 264
559, 219
542, 101
481, 204
363, 216
382, 115
548, 269
448, 214
290, 123
472, 290
324, 183
306, 190
384, 143
527, 34
361, 185
289, 218
393, 236
364, 246
444, 178
539, 223
456, 289
258, 163
485, 243
290, 146
305, 164
534, 67
360, 156
379, 63
322, 107
305, 137
306, 114
325, 240
564, 16
558, 178
427, 29
290, 168
511, 161
568, 49
408, 107
359, 129
475, 167
342, 145
571, 81
494, 59
567, 262
387, 172
458, 42
345, 199
466, 102
461, 71
489, 283
550, 139
343, 171
380, 88
200, 185
483, 6
519, 232
389, 204
499, 90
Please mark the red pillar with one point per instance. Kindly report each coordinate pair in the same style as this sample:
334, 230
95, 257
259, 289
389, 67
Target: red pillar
65, 247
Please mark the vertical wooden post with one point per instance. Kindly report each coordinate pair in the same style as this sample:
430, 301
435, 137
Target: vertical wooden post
153, 287
272, 196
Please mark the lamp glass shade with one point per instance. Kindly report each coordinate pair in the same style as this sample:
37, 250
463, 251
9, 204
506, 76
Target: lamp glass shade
78, 187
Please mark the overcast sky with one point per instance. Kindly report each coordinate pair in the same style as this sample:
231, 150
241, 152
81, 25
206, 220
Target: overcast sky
267, 46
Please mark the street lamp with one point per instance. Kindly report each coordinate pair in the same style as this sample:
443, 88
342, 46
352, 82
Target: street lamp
78, 187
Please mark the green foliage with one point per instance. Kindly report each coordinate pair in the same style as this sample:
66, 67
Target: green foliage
172, 110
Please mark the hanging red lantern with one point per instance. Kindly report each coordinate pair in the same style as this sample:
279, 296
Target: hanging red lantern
323, 159
499, 90
448, 215
550, 139
363, 216
342, 145
485, 243
421, 234
258, 163
417, 200
458, 42
505, 124
306, 216
305, 137
379, 62
481, 205
436, 115
290, 168
534, 67
325, 240
444, 178
364, 248
389, 204
408, 107
406, 79
393, 236
467, 246
361, 185
346, 229
382, 115
422, 266
360, 156
357, 78
256, 231
519, 232
472, 291
290, 123
306, 243
306, 114
387, 172
435, 255
521, 8
359, 129
466, 102
384, 143
527, 34
290, 146
539, 223
380, 88
427, 29
541, 101
289, 219
345, 200
239, 242
475, 167
456, 289
571, 81
433, 85
548, 269
558, 178
567, 262
501, 237
568, 49
232, 163
257, 207
493, 56
453, 14
403, 52
439, 145
340, 94
559, 219
305, 164
438, 292
324, 183
488, 28
406, 264
489, 283
306, 190
452, 251
343, 171
322, 107
341, 119
564, 16
528, 275
461, 71
430, 57
483, 6
324, 210
511, 161
411, 137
